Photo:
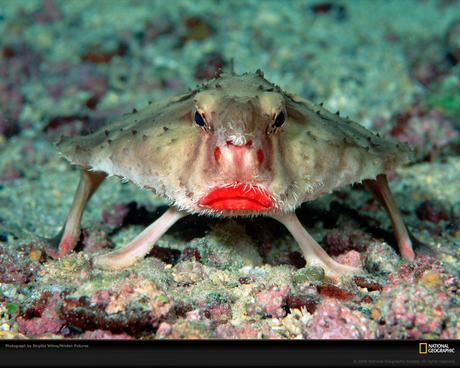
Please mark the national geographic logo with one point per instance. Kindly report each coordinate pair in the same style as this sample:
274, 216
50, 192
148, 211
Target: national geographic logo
426, 348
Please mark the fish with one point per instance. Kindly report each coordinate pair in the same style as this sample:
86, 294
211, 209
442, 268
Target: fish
236, 146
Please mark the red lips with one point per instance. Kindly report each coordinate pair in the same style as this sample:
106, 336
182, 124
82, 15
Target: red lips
236, 197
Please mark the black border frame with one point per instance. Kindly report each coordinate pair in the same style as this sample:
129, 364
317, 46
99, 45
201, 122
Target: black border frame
224, 353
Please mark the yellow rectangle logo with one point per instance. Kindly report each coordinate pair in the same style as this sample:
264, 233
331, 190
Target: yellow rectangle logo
423, 348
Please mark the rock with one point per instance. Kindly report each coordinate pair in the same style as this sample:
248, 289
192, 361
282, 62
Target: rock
380, 258
333, 320
309, 273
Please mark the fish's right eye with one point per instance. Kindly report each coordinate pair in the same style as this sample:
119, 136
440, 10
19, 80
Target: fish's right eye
199, 119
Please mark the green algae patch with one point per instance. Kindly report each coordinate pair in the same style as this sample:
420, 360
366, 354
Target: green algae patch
307, 274
227, 246
446, 97
12, 307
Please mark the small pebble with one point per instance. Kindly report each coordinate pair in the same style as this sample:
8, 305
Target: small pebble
35, 255
375, 314
430, 278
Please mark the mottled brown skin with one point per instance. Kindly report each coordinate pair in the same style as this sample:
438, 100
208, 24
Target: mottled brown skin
283, 148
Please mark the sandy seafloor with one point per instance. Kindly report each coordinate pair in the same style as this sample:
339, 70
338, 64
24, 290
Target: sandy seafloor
69, 67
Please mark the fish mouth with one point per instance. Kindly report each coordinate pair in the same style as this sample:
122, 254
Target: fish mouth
237, 197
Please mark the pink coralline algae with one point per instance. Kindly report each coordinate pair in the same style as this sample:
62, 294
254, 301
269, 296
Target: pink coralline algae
410, 272
49, 12
246, 331
414, 312
350, 258
219, 312
115, 216
186, 329
432, 211
340, 241
423, 129
333, 320
428, 67
416, 303
94, 240
66, 78
16, 266
18, 63
10, 104
191, 253
135, 306
10, 173
270, 301
41, 317
209, 66
105, 335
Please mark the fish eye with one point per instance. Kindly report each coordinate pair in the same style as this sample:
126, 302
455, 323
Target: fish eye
199, 119
280, 119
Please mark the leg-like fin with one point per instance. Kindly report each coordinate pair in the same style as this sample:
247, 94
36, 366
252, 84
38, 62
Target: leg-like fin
314, 254
67, 238
140, 245
379, 187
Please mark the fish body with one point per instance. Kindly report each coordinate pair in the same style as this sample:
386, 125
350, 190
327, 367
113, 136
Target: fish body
236, 146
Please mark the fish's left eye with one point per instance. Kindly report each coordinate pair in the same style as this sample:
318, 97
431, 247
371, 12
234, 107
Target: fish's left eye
280, 119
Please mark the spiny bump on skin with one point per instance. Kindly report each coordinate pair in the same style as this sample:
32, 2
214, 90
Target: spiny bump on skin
133, 131
134, 110
321, 104
260, 73
106, 132
337, 112
311, 135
